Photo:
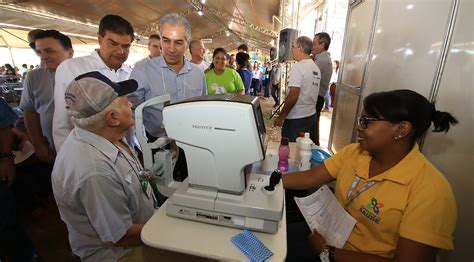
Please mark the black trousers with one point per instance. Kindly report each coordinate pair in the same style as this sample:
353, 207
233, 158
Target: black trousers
319, 107
298, 249
275, 92
13, 238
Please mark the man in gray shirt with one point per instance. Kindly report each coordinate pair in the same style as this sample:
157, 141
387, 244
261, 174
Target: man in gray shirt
96, 176
321, 42
37, 100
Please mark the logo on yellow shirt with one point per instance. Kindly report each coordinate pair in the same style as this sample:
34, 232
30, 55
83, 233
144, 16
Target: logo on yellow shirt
372, 210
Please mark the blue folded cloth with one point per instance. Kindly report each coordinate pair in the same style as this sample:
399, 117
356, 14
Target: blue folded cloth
251, 246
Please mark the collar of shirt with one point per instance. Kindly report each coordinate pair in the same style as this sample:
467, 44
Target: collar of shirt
101, 64
403, 172
99, 142
160, 62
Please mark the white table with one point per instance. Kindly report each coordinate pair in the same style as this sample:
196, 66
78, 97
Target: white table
207, 240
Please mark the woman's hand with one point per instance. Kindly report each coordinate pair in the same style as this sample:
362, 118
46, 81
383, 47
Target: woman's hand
316, 242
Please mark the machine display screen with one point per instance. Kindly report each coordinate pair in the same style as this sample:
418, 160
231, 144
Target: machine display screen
259, 119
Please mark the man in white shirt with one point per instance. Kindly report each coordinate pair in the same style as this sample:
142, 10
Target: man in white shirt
115, 37
299, 113
197, 50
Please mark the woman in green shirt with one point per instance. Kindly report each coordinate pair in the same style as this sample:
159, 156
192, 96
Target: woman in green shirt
222, 80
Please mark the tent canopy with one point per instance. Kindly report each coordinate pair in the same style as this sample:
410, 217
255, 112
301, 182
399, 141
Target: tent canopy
18, 38
227, 23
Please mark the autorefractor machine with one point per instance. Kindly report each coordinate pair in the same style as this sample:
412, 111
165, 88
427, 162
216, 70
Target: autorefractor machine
222, 136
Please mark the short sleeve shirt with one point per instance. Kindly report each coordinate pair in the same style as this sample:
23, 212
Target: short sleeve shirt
203, 65
306, 76
412, 200
7, 115
227, 82
37, 96
323, 61
246, 77
98, 193
65, 73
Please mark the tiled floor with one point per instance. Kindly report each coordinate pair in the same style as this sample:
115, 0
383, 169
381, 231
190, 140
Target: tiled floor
49, 233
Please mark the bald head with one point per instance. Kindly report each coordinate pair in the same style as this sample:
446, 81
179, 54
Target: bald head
197, 50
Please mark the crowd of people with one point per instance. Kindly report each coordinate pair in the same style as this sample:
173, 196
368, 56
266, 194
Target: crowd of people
78, 113
14, 74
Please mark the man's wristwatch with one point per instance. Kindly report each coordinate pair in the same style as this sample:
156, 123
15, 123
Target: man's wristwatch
327, 254
7, 155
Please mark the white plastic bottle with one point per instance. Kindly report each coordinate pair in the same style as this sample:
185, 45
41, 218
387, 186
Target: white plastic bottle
305, 153
298, 146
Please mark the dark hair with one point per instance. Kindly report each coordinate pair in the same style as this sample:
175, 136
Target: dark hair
10, 68
115, 24
337, 65
216, 51
154, 36
407, 105
64, 40
242, 60
324, 38
32, 37
243, 47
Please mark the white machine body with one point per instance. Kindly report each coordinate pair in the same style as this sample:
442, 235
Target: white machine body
222, 136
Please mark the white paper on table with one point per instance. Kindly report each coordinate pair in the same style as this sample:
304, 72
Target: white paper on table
323, 213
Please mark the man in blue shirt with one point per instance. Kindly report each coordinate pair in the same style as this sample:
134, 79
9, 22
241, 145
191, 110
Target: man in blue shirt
169, 73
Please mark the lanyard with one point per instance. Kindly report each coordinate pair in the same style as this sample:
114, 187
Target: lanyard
143, 175
351, 196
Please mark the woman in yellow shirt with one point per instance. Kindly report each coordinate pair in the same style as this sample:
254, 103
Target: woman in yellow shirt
404, 207
221, 79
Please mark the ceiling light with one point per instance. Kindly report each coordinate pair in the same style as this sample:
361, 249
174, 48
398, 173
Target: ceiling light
200, 13
227, 33
203, 1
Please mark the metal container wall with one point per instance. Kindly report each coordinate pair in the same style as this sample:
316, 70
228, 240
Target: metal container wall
453, 153
357, 43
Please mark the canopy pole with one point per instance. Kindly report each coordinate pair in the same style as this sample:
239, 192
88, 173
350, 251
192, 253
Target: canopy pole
11, 57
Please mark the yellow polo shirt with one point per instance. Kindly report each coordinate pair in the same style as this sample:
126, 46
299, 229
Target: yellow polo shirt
412, 199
